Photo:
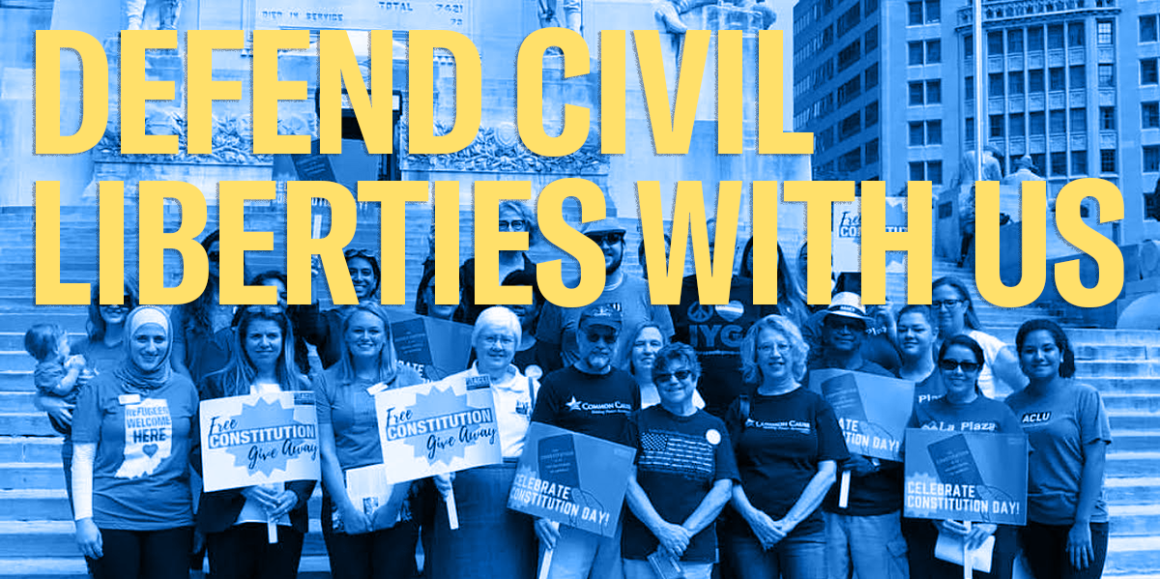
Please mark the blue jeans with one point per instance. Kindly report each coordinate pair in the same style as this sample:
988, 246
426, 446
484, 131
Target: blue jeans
873, 547
580, 555
637, 569
798, 556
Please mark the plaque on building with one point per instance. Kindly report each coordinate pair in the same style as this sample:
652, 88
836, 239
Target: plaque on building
453, 15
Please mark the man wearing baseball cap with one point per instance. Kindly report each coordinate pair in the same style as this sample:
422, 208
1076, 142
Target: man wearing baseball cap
558, 327
594, 398
866, 536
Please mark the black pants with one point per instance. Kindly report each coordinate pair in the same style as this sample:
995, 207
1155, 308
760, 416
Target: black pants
1045, 547
385, 554
921, 536
244, 552
143, 554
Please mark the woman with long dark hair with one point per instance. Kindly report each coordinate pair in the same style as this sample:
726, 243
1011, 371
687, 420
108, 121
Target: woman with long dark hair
202, 336
234, 521
1067, 517
324, 330
361, 544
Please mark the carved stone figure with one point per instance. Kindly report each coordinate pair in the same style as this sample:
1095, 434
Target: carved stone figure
669, 12
573, 17
1023, 172
167, 13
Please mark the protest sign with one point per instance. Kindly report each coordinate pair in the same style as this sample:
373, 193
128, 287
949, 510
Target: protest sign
574, 479
435, 348
966, 476
259, 439
847, 235
437, 428
872, 410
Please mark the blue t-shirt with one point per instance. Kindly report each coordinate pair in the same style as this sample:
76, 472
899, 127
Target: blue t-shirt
141, 470
678, 460
980, 415
350, 409
1059, 425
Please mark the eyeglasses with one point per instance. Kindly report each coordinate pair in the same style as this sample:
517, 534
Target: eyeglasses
213, 256
610, 238
838, 322
950, 365
662, 377
353, 253
513, 225
596, 337
948, 304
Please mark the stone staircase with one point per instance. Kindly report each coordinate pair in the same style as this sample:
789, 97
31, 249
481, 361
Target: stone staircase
36, 538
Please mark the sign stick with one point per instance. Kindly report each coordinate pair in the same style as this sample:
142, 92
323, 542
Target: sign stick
546, 565
844, 490
452, 513
272, 531
968, 562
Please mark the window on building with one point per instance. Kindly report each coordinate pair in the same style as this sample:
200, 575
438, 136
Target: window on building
849, 91
1148, 28
969, 87
1015, 41
870, 40
1075, 34
851, 161
996, 123
994, 43
1035, 79
995, 84
933, 51
1078, 76
916, 94
916, 134
934, 172
969, 129
914, 53
1107, 160
1105, 32
916, 171
1055, 37
968, 46
1038, 124
1035, 39
849, 19
1055, 78
1107, 76
872, 152
933, 11
914, 12
1058, 120
1149, 73
1079, 163
1078, 120
933, 92
828, 36
1151, 159
1107, 118
872, 114
1039, 161
850, 126
871, 6
1016, 125
1150, 115
849, 55
871, 76
934, 132
1015, 83
1058, 164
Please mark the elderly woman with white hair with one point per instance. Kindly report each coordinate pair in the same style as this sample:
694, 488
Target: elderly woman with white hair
491, 541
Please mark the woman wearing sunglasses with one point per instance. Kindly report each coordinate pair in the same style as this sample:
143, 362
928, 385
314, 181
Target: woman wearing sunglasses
684, 474
1067, 519
955, 314
962, 408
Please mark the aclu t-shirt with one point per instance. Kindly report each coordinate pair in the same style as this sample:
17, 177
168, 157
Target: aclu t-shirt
716, 333
980, 415
593, 404
141, 470
1059, 426
778, 448
678, 460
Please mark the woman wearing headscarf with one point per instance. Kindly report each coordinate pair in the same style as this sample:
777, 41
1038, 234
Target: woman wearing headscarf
1067, 425
492, 540
962, 408
234, 521
360, 544
132, 437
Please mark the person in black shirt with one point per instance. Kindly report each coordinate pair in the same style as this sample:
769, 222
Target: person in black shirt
594, 398
787, 444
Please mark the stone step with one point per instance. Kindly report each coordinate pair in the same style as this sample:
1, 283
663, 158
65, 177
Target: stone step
34, 449
1133, 420
33, 423
1132, 555
13, 381
1137, 464
1125, 386
1134, 520
52, 505
18, 401
1142, 402
1132, 490
21, 360
1136, 440
20, 322
1116, 352
310, 567
14, 341
1113, 369
32, 475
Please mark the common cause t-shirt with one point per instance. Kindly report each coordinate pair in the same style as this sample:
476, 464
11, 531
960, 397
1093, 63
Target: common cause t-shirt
778, 448
593, 404
678, 460
141, 470
1059, 425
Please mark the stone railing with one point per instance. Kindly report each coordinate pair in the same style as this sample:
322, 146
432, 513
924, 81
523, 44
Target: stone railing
1009, 9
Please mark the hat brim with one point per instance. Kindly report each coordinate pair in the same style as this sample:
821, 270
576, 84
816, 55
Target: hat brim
609, 230
846, 315
608, 324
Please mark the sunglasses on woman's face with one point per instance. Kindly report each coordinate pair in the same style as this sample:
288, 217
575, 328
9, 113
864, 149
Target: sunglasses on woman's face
664, 377
950, 365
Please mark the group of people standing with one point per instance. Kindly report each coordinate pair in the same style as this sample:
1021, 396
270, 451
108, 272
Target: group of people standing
736, 456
